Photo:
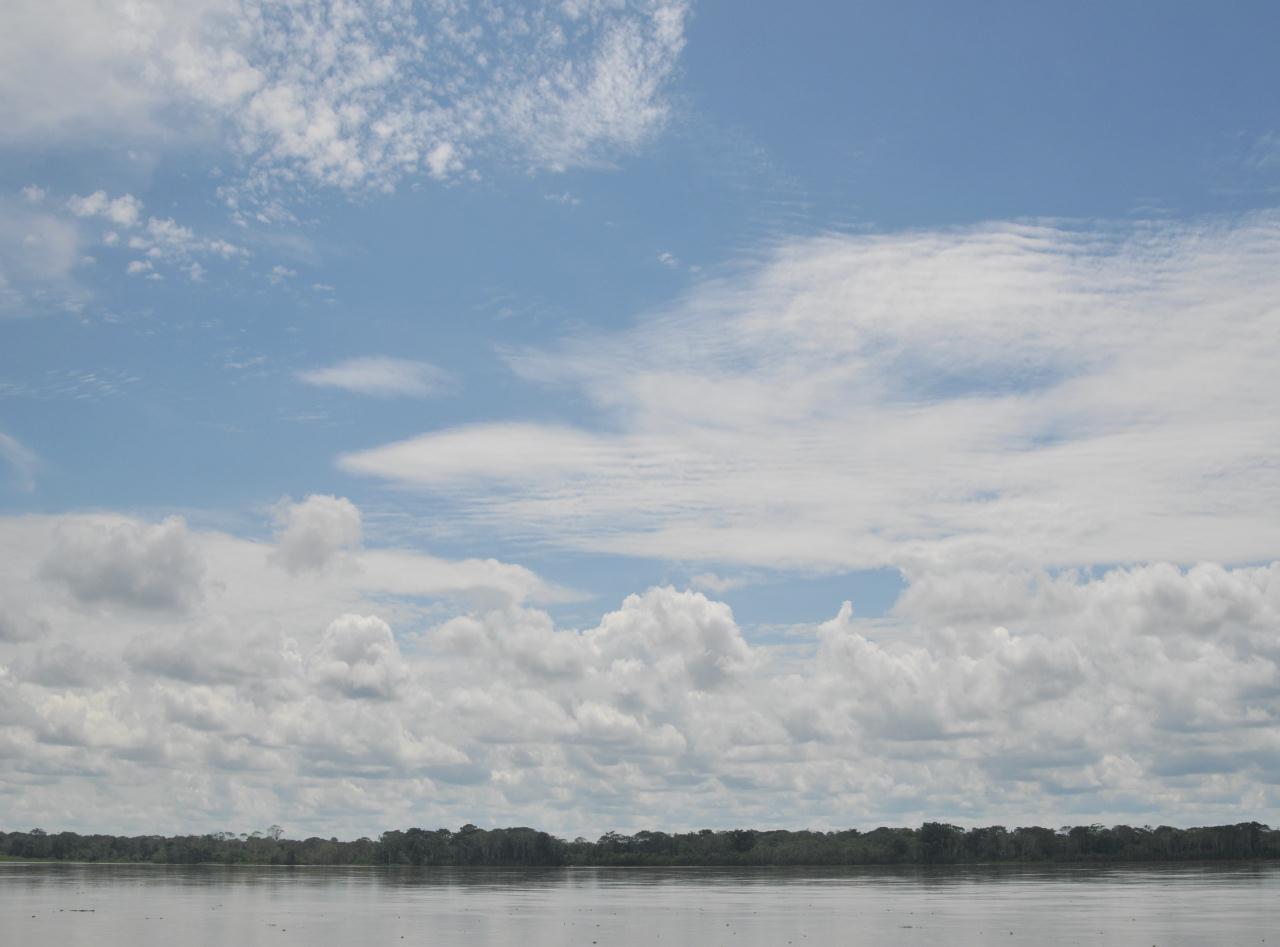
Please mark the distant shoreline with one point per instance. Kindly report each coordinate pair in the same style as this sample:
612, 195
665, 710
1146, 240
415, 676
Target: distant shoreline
905, 867
933, 843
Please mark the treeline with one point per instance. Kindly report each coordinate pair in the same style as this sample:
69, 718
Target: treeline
469, 845
934, 843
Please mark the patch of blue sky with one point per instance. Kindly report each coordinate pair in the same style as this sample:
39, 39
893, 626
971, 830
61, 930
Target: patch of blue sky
924, 113
812, 118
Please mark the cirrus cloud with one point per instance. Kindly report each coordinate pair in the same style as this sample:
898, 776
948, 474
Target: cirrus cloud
380, 376
1020, 389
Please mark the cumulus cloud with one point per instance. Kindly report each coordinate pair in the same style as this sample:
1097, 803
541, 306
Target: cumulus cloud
311, 533
264, 672
668, 635
346, 94
213, 651
126, 563
18, 626
1065, 698
358, 657
123, 211
65, 666
164, 239
380, 376
1017, 390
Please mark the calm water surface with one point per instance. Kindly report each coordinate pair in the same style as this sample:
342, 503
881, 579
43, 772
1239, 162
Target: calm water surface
107, 905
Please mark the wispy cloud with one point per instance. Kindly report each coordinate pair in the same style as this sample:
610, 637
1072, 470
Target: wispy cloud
40, 251
280, 274
861, 401
716, 584
72, 384
21, 461
46, 246
381, 376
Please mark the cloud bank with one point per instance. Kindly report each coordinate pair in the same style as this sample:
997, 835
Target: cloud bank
393, 688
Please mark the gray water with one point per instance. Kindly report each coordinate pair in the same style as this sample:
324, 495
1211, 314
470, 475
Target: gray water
42, 905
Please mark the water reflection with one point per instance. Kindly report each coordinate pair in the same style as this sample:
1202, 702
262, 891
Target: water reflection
47, 904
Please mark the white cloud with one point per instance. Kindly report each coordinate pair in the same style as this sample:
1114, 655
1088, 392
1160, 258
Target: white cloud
65, 666
21, 461
213, 651
313, 532
127, 564
280, 273
1142, 694
380, 376
166, 239
358, 657
123, 211
579, 111
344, 94
564, 197
43, 247
860, 401
716, 584
100, 675
442, 160
21, 627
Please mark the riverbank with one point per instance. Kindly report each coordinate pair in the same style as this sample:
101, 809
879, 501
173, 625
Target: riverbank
931, 844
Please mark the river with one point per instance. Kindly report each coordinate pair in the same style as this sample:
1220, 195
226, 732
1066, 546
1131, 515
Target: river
68, 905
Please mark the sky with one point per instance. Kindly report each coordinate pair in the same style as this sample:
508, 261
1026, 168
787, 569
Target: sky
618, 414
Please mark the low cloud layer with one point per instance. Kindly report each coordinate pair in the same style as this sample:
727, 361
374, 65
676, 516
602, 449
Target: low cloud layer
390, 688
129, 564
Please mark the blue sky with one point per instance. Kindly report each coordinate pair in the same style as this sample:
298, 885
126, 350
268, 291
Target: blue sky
468, 321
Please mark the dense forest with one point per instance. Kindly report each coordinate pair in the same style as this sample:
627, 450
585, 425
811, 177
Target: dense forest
932, 843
